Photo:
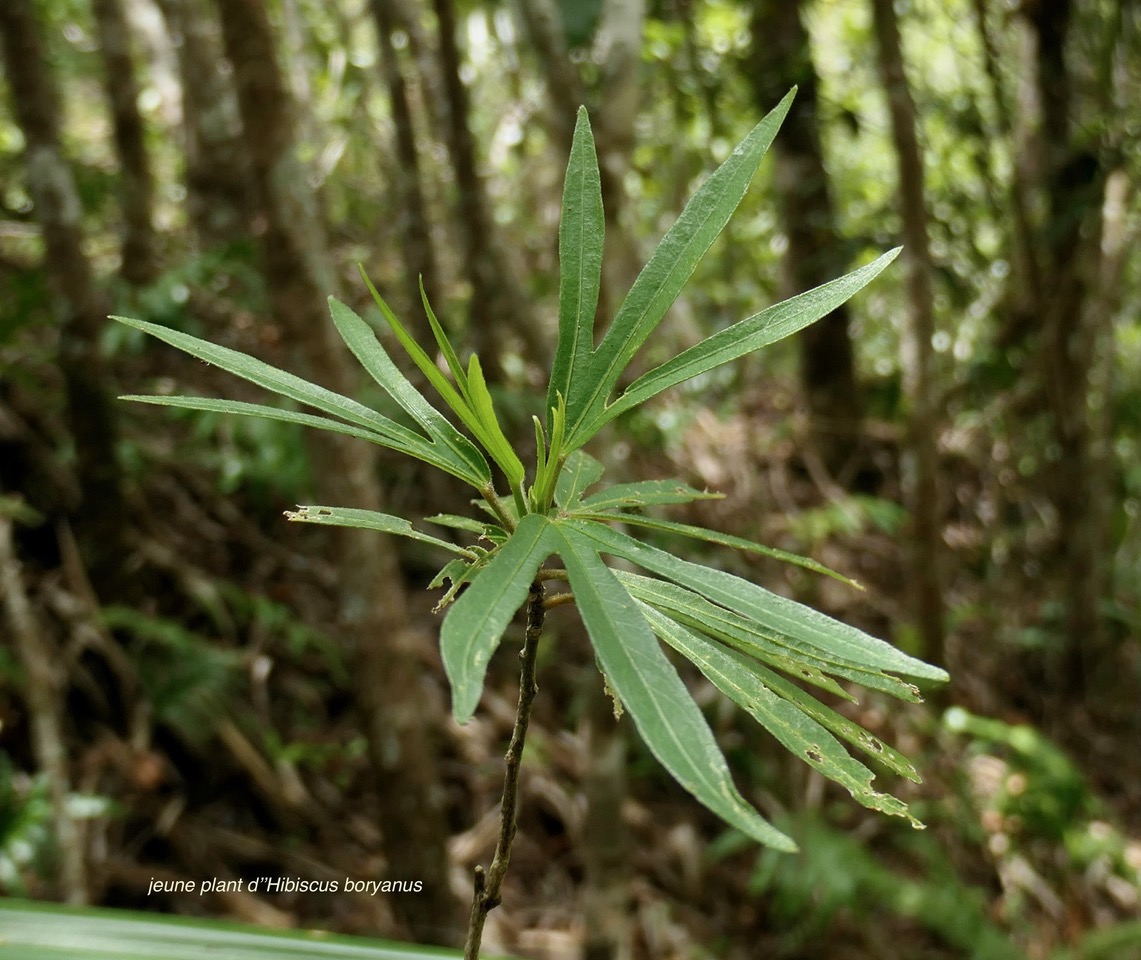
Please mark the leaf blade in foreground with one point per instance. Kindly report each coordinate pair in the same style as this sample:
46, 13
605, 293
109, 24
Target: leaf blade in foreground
831, 637
475, 624
667, 271
582, 227
770, 325
733, 674
668, 719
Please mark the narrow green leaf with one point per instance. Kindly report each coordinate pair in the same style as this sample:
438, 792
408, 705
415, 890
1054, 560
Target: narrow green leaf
474, 626
445, 345
649, 687
711, 536
787, 617
644, 494
580, 472
458, 572
457, 522
734, 674
451, 396
762, 642
48, 931
667, 271
272, 379
770, 325
581, 231
361, 340
691, 608
840, 725
241, 408
492, 436
371, 520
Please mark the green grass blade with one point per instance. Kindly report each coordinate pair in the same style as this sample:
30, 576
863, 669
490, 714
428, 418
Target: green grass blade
644, 494
581, 232
667, 271
270, 378
372, 520
580, 472
770, 325
475, 624
712, 536
734, 675
786, 617
649, 687
360, 338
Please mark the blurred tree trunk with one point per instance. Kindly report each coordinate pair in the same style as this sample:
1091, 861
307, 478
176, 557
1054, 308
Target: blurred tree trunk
1072, 182
419, 257
140, 256
217, 171
42, 691
918, 365
781, 57
618, 48
497, 309
100, 518
400, 720
1026, 288
605, 844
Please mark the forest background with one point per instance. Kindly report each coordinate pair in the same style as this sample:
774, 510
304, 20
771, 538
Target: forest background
194, 688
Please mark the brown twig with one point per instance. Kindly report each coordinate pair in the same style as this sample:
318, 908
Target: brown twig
486, 895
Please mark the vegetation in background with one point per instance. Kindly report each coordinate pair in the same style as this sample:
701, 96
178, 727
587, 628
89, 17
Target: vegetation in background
275, 170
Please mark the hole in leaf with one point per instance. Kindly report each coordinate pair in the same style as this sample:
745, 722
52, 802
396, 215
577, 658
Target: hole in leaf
814, 755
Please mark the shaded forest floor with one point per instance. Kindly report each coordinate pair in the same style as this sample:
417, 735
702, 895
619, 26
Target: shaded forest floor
227, 745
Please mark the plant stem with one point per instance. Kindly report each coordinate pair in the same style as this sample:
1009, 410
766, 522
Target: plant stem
487, 886
497, 507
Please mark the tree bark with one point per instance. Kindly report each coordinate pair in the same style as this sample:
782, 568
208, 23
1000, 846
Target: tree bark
419, 256
139, 256
781, 57
399, 718
217, 170
100, 518
497, 309
1073, 184
45, 711
918, 367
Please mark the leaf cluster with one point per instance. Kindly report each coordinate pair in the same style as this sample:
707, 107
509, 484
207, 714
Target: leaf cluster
750, 643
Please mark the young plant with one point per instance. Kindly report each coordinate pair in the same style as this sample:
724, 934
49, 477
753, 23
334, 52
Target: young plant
745, 639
